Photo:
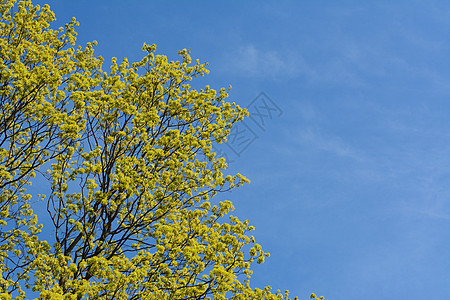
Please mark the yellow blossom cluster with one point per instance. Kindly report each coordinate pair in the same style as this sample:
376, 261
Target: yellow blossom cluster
128, 157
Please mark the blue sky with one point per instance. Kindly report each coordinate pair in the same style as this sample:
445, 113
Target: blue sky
351, 174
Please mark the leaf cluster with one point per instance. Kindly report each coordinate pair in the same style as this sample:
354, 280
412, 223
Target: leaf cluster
127, 154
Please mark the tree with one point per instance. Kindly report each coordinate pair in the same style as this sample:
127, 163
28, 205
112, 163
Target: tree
128, 158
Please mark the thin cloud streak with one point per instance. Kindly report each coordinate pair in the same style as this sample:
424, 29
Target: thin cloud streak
250, 61
312, 137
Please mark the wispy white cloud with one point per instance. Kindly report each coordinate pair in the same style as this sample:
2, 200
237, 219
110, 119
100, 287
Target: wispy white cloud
251, 61
434, 209
343, 66
313, 137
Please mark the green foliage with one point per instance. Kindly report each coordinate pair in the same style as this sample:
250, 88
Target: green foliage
128, 157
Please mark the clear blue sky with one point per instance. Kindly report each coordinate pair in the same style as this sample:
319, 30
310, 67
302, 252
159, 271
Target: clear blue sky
350, 187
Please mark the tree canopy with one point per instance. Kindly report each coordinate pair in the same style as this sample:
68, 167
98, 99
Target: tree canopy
126, 175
